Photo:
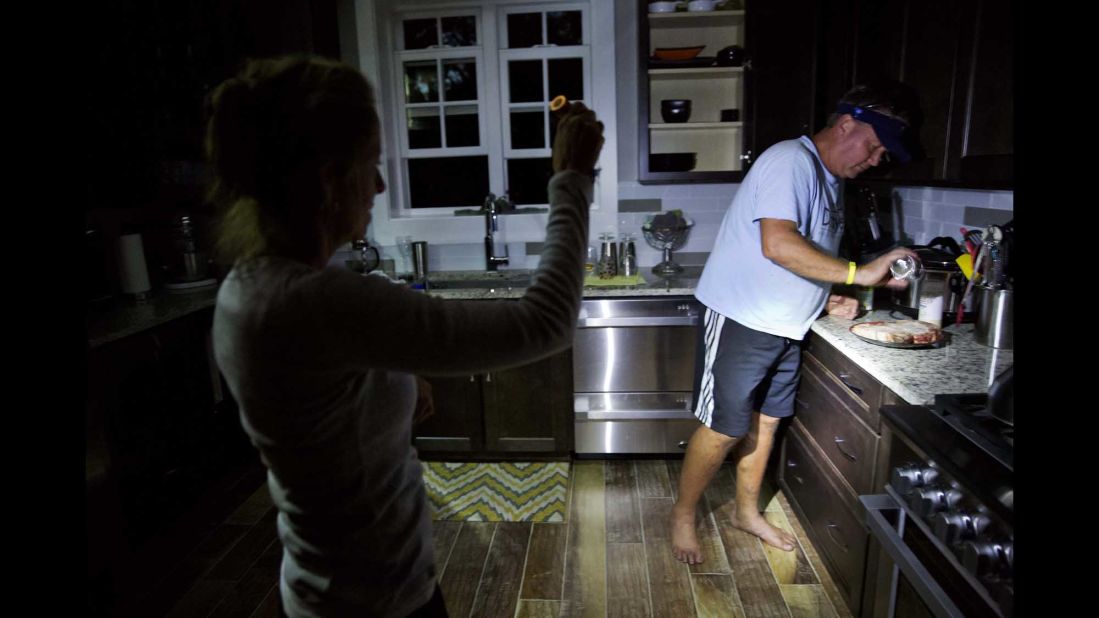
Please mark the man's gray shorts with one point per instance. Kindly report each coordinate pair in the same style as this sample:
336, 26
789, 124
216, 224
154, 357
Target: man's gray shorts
744, 371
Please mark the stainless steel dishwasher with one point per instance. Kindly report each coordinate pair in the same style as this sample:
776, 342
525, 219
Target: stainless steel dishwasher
633, 374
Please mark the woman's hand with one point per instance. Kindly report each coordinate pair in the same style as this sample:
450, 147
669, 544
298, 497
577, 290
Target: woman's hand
579, 140
842, 306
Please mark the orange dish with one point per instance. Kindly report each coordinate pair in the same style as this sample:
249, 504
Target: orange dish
677, 53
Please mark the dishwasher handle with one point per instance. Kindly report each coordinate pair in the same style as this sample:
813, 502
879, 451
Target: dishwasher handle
679, 320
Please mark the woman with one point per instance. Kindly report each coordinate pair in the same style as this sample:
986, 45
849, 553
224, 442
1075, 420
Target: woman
321, 360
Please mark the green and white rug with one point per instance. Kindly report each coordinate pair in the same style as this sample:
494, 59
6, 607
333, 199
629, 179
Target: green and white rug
506, 491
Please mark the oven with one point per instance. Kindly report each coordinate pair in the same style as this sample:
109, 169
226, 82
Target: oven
634, 371
943, 530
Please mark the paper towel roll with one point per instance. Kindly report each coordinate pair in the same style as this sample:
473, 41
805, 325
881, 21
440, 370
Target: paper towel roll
131, 265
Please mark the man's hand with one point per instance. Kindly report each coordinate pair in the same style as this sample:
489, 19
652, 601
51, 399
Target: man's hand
425, 404
842, 306
876, 273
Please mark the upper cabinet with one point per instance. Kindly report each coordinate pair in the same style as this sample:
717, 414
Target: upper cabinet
958, 57
716, 87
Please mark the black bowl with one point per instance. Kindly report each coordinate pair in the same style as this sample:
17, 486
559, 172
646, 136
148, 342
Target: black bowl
675, 110
730, 115
673, 161
732, 56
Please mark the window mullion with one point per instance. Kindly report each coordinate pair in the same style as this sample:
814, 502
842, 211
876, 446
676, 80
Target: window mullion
494, 132
439, 105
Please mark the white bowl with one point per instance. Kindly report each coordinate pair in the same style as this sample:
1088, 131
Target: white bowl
702, 5
662, 7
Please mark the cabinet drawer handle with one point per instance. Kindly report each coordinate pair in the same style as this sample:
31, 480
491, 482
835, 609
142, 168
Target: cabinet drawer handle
844, 377
472, 378
488, 377
829, 527
839, 441
790, 465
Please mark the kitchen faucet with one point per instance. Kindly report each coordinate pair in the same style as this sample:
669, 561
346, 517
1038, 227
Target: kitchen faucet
492, 261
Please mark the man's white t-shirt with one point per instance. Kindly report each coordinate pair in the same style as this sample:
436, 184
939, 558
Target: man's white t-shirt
790, 182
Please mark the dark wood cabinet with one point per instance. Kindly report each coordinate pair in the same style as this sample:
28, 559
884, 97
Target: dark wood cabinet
832, 454
772, 90
160, 427
782, 38
458, 422
529, 408
526, 409
958, 56
154, 63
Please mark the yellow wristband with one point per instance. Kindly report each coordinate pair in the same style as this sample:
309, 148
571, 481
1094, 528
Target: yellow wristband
851, 272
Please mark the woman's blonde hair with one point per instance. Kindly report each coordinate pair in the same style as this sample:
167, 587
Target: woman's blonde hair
274, 134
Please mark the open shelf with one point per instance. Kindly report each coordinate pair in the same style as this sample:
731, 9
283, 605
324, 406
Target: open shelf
692, 126
665, 18
710, 88
698, 72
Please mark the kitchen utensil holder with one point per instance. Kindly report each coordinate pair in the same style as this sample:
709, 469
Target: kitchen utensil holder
995, 317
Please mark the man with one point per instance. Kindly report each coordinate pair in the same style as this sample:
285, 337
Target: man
768, 277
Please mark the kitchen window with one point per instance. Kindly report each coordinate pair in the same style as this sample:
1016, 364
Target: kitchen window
472, 88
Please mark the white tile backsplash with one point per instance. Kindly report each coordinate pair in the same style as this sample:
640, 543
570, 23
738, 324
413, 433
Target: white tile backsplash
925, 212
928, 212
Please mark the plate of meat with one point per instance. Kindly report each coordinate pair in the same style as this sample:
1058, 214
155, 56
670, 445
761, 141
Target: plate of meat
899, 333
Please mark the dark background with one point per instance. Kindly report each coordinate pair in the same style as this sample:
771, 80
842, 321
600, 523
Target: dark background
150, 66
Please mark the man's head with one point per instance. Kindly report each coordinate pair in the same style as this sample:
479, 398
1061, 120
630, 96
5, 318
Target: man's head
870, 121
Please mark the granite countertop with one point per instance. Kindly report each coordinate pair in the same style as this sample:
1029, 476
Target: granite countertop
123, 316
651, 285
960, 366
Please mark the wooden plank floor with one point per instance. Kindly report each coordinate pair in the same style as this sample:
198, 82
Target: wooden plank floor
612, 557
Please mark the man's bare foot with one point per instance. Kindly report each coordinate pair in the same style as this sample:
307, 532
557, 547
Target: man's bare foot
684, 539
754, 523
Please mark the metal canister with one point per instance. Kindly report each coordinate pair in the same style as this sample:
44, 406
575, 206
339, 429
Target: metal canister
628, 255
996, 318
419, 259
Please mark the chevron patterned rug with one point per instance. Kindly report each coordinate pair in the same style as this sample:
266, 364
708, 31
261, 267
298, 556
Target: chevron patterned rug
506, 491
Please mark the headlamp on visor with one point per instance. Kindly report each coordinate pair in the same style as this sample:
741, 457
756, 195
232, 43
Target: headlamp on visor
890, 131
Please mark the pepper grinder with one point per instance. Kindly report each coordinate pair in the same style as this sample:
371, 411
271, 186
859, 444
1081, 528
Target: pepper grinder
628, 268
608, 256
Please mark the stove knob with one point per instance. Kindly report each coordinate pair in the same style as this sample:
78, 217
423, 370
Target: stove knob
1008, 565
953, 527
983, 558
949, 527
906, 478
930, 500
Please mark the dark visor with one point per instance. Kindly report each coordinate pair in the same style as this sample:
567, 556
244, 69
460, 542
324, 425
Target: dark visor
889, 130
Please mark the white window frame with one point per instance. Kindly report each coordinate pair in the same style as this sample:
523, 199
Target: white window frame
544, 54
371, 47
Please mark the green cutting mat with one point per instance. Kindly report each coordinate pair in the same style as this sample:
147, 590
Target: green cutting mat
618, 280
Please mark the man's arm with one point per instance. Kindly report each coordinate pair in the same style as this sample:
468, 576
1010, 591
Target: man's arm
784, 245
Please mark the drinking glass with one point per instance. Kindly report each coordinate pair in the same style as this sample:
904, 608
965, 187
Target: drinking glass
404, 247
